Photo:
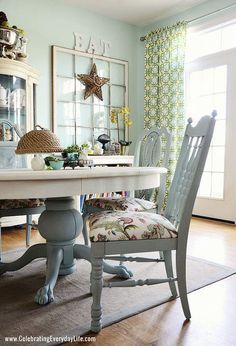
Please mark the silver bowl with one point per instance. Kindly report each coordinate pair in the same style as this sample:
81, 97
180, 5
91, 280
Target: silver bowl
8, 37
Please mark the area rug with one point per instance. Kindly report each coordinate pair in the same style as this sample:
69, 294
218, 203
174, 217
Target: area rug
69, 314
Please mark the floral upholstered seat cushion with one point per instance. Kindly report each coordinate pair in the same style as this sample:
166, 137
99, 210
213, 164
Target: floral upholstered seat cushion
21, 203
114, 203
122, 225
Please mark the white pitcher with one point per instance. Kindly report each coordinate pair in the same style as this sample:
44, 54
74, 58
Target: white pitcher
4, 94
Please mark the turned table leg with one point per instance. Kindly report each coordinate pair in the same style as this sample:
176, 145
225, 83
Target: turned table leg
60, 224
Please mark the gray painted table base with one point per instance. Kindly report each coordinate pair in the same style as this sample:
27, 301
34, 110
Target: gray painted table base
60, 224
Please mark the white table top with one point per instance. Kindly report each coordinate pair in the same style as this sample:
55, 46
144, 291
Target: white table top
26, 183
112, 159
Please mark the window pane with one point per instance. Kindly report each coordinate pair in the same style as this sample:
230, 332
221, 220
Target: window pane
80, 89
195, 83
117, 74
117, 96
206, 81
114, 135
83, 65
65, 113
219, 133
65, 64
219, 103
205, 186
217, 185
101, 116
65, 89
102, 68
84, 115
205, 105
66, 135
83, 135
218, 156
220, 74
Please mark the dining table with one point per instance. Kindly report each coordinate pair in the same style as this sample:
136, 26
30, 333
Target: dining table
61, 222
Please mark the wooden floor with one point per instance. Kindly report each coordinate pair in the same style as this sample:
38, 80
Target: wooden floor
213, 307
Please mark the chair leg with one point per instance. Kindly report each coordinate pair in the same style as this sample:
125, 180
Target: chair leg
28, 229
181, 276
161, 254
169, 271
0, 241
85, 231
96, 289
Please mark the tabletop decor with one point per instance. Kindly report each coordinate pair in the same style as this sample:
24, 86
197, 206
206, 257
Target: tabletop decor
121, 116
93, 83
54, 162
71, 152
38, 142
103, 139
75, 155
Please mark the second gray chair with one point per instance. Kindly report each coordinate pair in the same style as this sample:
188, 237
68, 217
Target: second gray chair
152, 150
9, 160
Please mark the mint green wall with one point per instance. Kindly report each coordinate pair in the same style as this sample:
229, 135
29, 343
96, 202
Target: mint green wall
50, 22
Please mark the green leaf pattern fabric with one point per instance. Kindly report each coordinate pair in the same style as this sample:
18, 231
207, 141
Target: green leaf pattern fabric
123, 225
124, 203
164, 85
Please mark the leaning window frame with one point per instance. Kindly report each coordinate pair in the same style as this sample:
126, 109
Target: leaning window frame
74, 53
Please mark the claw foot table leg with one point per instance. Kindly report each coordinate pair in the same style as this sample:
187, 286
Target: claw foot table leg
83, 251
45, 293
59, 224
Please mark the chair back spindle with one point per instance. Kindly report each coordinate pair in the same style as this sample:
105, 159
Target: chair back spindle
153, 150
189, 170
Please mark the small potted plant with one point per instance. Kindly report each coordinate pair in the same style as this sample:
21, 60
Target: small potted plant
71, 152
122, 115
85, 150
54, 162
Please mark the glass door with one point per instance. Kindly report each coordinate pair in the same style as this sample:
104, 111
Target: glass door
13, 100
210, 84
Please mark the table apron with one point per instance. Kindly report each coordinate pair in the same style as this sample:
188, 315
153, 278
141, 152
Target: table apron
71, 187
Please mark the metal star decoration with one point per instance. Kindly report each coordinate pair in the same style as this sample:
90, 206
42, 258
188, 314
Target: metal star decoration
93, 83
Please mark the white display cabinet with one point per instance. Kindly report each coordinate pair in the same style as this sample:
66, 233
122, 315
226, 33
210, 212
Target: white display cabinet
18, 83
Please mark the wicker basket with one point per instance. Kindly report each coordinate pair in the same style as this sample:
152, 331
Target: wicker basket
39, 141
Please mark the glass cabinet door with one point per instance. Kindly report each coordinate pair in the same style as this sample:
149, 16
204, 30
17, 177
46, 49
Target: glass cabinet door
13, 100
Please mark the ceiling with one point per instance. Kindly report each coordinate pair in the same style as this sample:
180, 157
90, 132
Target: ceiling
136, 12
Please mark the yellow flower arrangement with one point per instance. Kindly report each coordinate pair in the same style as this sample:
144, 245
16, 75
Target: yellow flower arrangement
122, 113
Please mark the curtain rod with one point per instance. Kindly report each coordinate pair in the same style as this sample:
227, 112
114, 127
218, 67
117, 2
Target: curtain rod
143, 38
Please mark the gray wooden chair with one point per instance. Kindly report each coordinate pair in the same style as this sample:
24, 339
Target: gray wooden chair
115, 232
152, 150
8, 159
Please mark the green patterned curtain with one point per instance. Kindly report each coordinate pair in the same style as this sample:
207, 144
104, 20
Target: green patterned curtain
164, 85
